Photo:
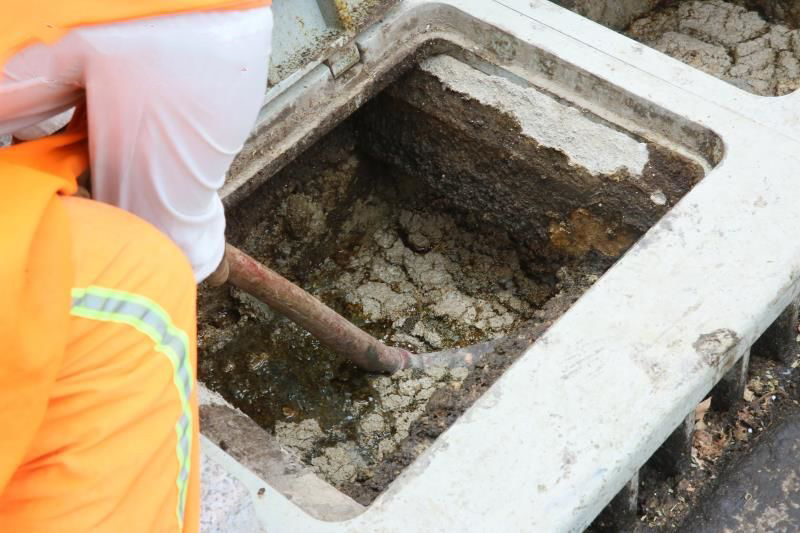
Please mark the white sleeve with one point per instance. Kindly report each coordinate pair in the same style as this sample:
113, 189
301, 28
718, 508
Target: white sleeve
171, 101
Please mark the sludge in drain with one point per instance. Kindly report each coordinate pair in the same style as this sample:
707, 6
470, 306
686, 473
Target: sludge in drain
433, 218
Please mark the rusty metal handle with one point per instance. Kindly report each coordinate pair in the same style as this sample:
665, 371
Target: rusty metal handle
329, 327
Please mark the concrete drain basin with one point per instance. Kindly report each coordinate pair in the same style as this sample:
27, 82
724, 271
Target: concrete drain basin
454, 207
460, 170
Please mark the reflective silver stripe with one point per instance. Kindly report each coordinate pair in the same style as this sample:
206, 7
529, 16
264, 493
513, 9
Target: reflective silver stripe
149, 318
145, 315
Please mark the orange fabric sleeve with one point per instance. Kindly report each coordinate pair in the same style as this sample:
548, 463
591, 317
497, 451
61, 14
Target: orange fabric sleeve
36, 273
105, 457
47, 20
63, 156
36, 267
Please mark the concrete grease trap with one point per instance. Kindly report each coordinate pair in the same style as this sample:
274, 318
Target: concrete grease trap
465, 171
453, 208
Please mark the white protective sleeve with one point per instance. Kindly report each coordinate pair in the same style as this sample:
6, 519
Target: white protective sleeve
170, 102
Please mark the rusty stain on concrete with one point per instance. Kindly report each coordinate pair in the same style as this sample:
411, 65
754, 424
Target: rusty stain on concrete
584, 232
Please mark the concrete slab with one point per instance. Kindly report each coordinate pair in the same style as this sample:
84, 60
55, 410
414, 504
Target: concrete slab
586, 143
567, 427
226, 502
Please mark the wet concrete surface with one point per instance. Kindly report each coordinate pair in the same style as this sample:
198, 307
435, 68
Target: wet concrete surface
761, 492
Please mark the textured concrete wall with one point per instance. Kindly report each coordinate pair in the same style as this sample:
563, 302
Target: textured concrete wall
559, 178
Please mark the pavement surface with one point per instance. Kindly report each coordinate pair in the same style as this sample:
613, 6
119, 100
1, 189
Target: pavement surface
760, 493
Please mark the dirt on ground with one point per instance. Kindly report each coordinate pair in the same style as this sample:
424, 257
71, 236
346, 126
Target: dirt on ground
726, 40
720, 439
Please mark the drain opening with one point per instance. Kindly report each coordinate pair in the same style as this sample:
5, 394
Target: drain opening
453, 208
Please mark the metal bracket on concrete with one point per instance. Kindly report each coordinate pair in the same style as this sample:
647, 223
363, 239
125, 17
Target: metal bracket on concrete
343, 60
307, 32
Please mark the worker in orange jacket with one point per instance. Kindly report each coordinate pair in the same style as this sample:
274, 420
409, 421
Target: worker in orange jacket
98, 408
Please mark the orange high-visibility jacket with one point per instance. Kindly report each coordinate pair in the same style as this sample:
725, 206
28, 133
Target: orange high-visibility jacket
35, 263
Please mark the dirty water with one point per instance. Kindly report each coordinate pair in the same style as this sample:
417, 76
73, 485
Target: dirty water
402, 268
